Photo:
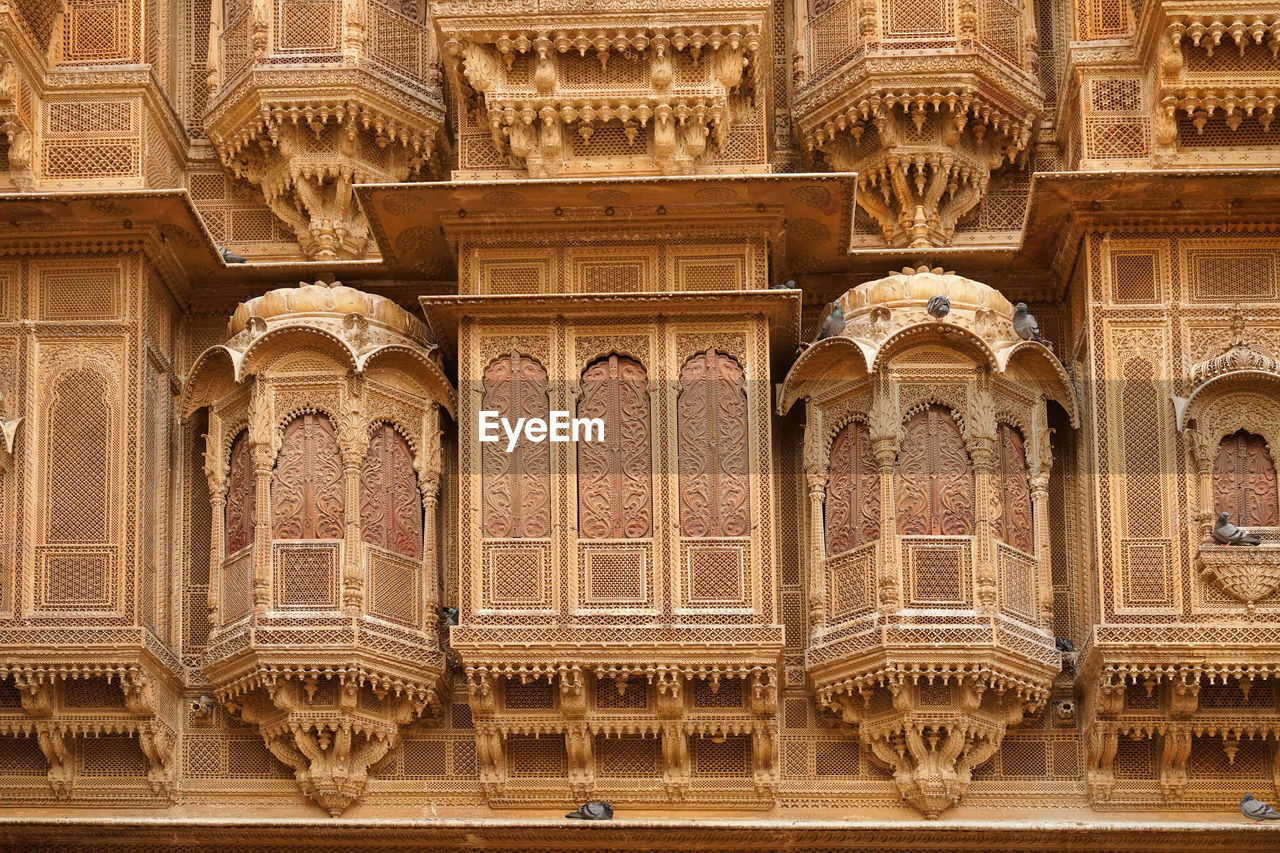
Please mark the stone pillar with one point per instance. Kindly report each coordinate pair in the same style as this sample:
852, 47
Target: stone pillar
262, 448
885, 428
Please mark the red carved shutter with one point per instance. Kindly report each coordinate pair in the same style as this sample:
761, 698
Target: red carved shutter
1244, 481
615, 479
853, 491
390, 501
935, 488
516, 485
712, 434
241, 496
308, 495
1013, 524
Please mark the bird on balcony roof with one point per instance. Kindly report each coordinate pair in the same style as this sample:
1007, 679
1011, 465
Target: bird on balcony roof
1257, 811
1025, 324
833, 323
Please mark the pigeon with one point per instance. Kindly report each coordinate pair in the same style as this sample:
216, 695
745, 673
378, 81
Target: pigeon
789, 284
1065, 645
448, 616
230, 257
1228, 534
1025, 324
1257, 811
938, 307
833, 323
593, 811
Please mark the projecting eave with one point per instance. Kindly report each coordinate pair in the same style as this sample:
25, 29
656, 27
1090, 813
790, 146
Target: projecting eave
808, 217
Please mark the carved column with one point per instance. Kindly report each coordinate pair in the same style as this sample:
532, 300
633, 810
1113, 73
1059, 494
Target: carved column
1041, 464
815, 477
428, 464
262, 450
885, 426
354, 441
217, 541
980, 435
1202, 453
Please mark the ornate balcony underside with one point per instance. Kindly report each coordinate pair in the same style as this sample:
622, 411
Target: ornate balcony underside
924, 120
659, 93
306, 115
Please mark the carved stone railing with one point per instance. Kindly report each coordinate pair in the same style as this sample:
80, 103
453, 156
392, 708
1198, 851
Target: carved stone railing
310, 97
586, 90
1217, 76
924, 108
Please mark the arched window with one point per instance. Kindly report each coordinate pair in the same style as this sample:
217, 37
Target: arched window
308, 496
935, 490
390, 501
76, 452
712, 435
615, 476
1013, 524
241, 496
853, 490
517, 485
1244, 481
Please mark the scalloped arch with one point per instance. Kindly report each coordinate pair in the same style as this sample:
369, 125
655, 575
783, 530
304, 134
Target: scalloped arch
1188, 409
947, 334
1032, 361
264, 345
822, 363
437, 384
214, 375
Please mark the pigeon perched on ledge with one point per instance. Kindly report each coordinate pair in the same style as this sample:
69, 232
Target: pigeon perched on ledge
593, 811
1257, 811
1228, 534
938, 307
230, 257
1025, 324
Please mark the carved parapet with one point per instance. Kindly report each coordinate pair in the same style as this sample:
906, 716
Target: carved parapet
562, 92
924, 119
366, 108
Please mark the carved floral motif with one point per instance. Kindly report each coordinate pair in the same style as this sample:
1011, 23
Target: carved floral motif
1244, 481
241, 496
516, 485
934, 477
712, 431
307, 490
1013, 524
615, 479
390, 502
853, 490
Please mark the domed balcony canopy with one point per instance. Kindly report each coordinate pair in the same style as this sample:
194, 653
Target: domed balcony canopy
885, 316
359, 329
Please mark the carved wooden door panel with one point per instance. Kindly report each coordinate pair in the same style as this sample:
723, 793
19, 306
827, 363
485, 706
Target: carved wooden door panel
1244, 481
516, 485
308, 496
935, 489
1013, 523
853, 491
615, 477
390, 501
241, 496
712, 435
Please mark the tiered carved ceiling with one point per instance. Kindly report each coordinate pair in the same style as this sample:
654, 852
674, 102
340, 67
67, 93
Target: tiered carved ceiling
659, 90
927, 457
925, 99
307, 99
324, 467
1217, 73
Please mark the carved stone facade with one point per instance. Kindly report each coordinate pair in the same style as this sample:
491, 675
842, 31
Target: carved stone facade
825, 576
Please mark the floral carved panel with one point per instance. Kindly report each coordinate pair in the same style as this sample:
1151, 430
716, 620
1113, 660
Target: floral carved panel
1244, 481
615, 476
1013, 523
712, 433
516, 485
935, 486
390, 501
307, 491
241, 495
853, 491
